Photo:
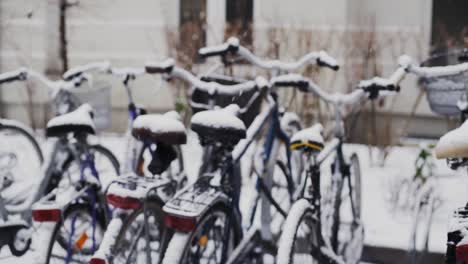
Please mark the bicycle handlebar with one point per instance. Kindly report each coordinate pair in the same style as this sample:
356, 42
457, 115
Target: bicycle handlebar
169, 69
233, 47
72, 73
408, 65
20, 74
372, 88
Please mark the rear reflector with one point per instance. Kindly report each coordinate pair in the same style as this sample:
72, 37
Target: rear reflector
462, 253
123, 202
97, 261
46, 215
182, 224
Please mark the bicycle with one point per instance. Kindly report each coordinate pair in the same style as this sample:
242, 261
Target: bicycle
52, 199
447, 95
135, 153
217, 188
310, 235
137, 199
231, 53
19, 146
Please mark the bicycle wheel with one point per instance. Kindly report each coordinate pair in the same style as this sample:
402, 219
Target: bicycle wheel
422, 221
131, 242
279, 186
73, 237
299, 241
21, 148
206, 243
347, 226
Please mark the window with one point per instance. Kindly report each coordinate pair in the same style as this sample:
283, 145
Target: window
449, 25
239, 20
192, 34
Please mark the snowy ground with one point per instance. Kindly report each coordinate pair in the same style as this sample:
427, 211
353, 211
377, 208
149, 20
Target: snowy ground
383, 226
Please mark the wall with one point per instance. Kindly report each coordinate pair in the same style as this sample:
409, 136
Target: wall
128, 33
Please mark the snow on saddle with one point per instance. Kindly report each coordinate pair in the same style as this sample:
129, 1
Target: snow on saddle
454, 144
165, 128
78, 121
308, 139
219, 125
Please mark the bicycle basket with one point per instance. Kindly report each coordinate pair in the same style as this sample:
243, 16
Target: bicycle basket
444, 92
98, 96
200, 97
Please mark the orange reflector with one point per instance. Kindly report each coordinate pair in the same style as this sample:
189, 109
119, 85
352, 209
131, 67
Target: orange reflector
81, 241
203, 241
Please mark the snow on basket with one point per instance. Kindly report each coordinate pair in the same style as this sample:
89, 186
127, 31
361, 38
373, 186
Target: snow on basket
444, 92
97, 95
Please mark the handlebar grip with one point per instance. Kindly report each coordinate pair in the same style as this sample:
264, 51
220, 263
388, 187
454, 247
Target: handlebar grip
377, 85
160, 67
325, 60
291, 80
21, 75
463, 57
230, 46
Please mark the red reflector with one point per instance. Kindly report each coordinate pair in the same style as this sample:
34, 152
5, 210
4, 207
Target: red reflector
462, 253
97, 261
123, 202
46, 215
183, 224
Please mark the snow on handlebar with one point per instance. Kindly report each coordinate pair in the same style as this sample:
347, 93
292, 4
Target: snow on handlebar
16, 75
407, 63
232, 46
169, 69
79, 70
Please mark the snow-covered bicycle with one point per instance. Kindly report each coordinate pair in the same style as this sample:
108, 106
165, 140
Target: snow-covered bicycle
310, 233
206, 213
63, 190
447, 95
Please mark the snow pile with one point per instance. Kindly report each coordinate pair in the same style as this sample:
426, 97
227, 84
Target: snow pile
453, 144
157, 123
81, 116
220, 118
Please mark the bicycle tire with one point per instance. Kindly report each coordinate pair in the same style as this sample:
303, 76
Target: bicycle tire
24, 132
421, 230
69, 212
292, 240
350, 244
180, 244
155, 207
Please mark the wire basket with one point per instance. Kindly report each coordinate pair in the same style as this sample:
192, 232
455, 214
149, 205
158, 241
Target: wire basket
97, 95
444, 92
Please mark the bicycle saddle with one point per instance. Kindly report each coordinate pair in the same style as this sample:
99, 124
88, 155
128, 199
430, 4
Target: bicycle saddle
219, 125
453, 144
308, 139
78, 121
165, 128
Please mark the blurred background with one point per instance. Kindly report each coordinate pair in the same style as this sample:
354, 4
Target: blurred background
366, 37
